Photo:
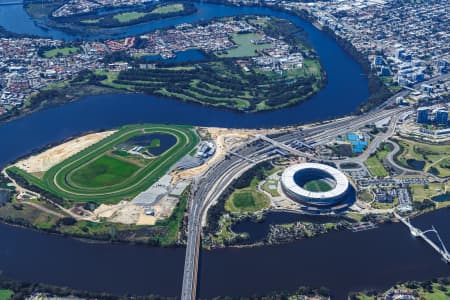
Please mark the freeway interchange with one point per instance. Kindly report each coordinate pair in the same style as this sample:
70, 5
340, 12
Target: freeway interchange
209, 186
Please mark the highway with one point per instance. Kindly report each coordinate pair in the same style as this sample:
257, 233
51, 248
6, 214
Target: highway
209, 186
205, 190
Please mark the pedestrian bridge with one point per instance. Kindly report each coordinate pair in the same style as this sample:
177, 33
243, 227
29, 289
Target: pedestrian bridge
416, 232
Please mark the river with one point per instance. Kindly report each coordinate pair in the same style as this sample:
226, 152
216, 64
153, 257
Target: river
345, 91
342, 261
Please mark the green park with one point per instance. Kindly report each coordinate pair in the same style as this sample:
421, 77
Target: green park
65, 51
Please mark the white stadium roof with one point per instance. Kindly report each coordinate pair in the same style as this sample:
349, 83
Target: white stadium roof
342, 184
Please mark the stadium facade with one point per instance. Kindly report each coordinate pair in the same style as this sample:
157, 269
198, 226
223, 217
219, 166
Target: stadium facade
294, 179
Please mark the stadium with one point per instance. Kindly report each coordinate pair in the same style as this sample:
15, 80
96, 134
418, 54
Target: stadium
316, 186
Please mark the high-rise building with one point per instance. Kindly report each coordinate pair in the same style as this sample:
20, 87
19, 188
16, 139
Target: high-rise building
441, 116
422, 115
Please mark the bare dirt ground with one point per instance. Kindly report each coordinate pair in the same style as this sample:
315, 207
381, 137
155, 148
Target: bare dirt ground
42, 162
225, 139
125, 213
128, 213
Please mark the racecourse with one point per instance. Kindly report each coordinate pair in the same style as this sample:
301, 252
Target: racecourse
59, 179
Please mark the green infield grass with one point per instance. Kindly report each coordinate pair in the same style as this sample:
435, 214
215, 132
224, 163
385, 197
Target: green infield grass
317, 186
104, 171
94, 175
156, 143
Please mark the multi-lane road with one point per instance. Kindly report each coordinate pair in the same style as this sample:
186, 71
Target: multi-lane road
209, 186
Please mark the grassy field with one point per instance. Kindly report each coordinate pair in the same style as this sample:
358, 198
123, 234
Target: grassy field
375, 167
66, 51
168, 9
365, 196
421, 192
246, 200
6, 294
104, 171
156, 143
126, 181
374, 163
135, 15
245, 48
434, 157
129, 16
39, 219
267, 187
380, 205
317, 186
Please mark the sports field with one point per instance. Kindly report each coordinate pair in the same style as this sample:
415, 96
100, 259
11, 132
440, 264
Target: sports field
104, 171
375, 167
247, 200
317, 186
97, 174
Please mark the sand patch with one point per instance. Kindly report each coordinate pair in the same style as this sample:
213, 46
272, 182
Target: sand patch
42, 162
125, 213
225, 140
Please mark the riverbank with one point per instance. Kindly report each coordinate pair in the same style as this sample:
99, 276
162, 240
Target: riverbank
12, 289
57, 95
254, 83
41, 216
378, 91
121, 269
437, 288
100, 20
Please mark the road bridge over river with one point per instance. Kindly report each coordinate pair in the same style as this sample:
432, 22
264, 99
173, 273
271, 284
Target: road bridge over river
209, 186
